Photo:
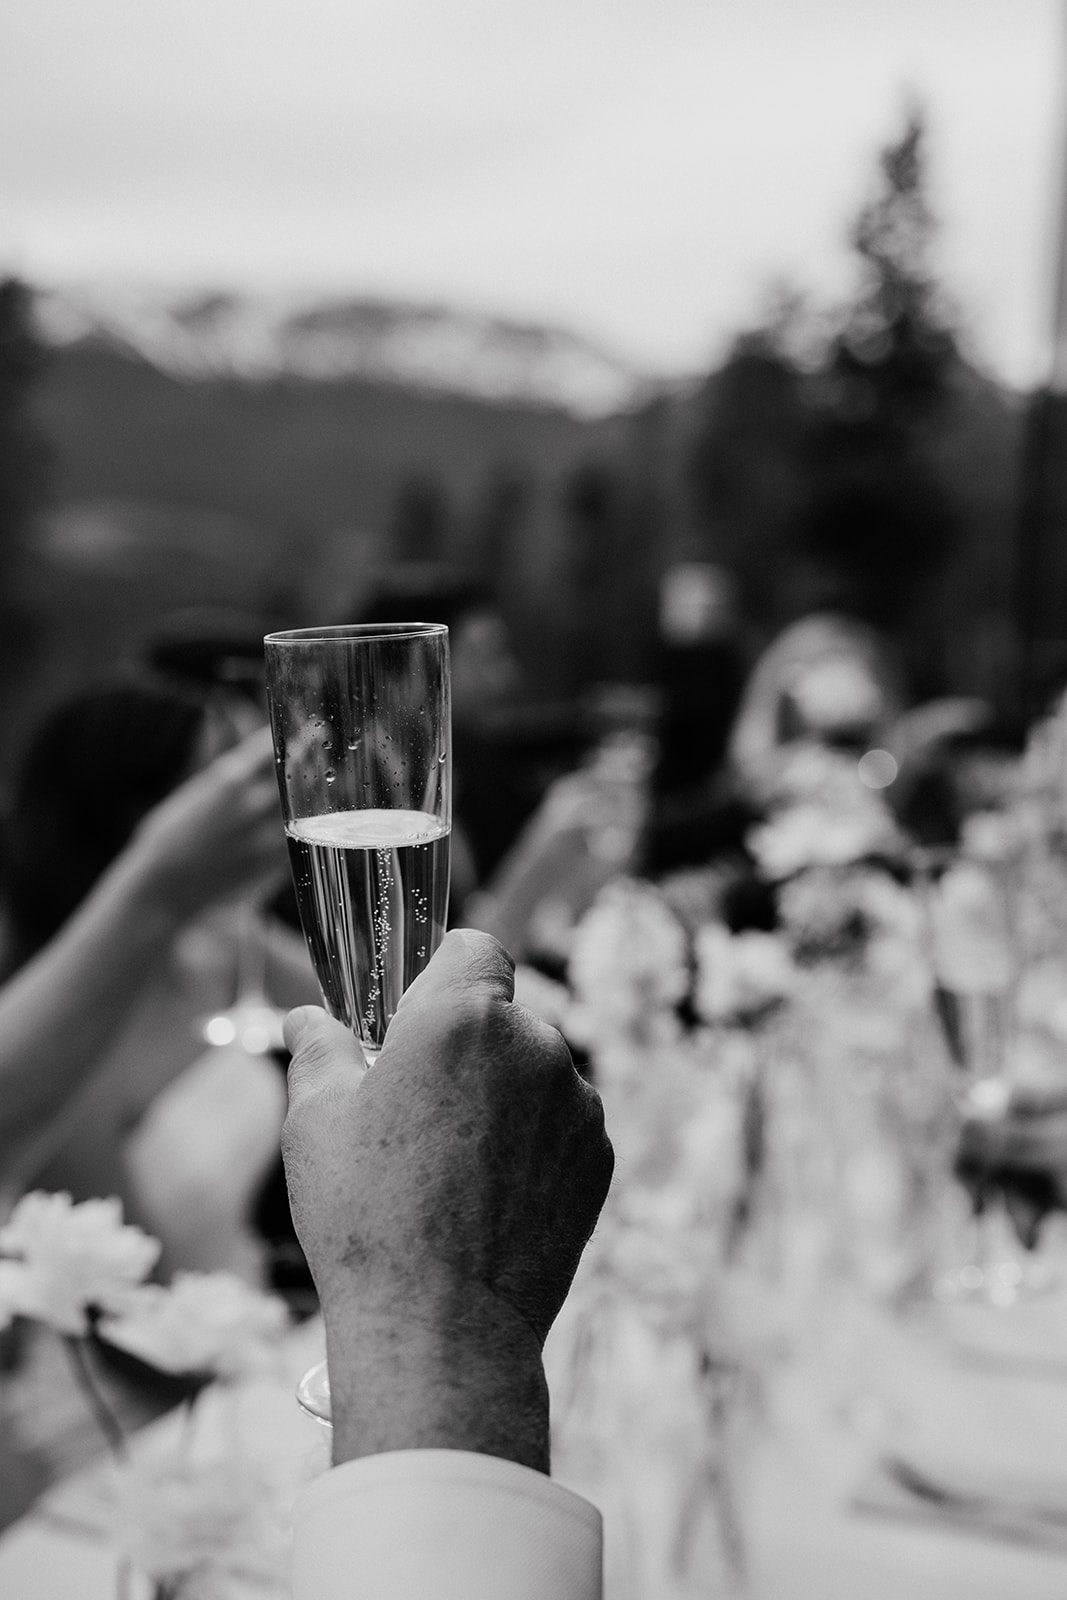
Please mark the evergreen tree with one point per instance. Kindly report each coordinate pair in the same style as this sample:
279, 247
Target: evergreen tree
879, 522
591, 516
745, 465
419, 524
22, 452
23, 482
492, 546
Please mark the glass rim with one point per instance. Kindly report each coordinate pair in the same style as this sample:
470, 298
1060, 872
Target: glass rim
357, 631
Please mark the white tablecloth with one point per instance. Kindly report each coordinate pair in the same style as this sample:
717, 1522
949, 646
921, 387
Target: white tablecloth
981, 1388
958, 1396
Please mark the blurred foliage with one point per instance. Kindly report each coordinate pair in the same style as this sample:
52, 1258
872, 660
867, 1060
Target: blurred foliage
418, 524
24, 464
23, 455
491, 541
746, 468
824, 461
879, 515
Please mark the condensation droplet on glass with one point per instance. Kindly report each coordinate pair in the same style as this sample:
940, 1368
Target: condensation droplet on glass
330, 775
443, 756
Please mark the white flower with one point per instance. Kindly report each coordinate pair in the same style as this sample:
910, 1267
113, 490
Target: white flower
740, 975
12, 1276
695, 894
209, 1522
813, 834
1042, 998
972, 943
813, 772
203, 1322
832, 915
710, 1151
822, 815
73, 1258
629, 966
990, 836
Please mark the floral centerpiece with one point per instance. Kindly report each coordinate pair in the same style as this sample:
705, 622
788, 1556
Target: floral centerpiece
782, 1104
197, 1509
649, 1380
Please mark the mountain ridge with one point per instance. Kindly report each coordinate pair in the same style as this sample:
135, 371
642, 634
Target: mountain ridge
424, 346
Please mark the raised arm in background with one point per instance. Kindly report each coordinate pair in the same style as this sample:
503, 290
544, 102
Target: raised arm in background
216, 836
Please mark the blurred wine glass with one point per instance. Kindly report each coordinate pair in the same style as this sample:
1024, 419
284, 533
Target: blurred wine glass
252, 1021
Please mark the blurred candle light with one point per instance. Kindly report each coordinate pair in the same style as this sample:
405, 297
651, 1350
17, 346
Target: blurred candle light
220, 1030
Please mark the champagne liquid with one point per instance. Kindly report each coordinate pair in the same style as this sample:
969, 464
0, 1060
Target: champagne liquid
372, 887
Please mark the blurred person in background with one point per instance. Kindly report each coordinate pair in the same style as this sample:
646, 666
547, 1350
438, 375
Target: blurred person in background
827, 679
695, 814
653, 794
955, 756
585, 832
143, 819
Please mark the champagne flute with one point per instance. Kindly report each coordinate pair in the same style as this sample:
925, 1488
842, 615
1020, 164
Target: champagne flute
361, 717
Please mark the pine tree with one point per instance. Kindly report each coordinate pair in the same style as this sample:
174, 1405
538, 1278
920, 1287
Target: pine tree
22, 452
23, 484
879, 522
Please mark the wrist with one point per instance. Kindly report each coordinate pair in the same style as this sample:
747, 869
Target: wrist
457, 1369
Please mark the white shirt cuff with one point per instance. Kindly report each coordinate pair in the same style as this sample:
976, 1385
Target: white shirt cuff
443, 1525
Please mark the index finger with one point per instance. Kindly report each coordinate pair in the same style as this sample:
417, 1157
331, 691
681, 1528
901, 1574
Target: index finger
466, 959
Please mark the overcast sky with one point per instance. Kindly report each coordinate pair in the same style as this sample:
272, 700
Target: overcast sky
640, 170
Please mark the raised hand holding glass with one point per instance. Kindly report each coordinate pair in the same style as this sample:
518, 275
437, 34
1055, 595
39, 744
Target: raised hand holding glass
361, 718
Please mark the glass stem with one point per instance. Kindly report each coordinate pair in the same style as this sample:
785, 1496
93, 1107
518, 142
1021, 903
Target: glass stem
251, 955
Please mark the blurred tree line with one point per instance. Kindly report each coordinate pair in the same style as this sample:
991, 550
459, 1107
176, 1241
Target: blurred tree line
23, 472
850, 459
821, 464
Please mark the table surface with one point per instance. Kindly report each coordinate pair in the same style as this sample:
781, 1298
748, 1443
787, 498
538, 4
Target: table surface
828, 1412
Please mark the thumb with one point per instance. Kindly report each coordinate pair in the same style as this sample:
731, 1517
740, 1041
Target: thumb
322, 1049
466, 959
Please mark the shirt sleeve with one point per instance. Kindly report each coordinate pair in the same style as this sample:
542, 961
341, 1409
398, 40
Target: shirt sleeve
443, 1525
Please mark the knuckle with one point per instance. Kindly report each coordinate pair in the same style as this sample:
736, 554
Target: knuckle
473, 1012
487, 959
